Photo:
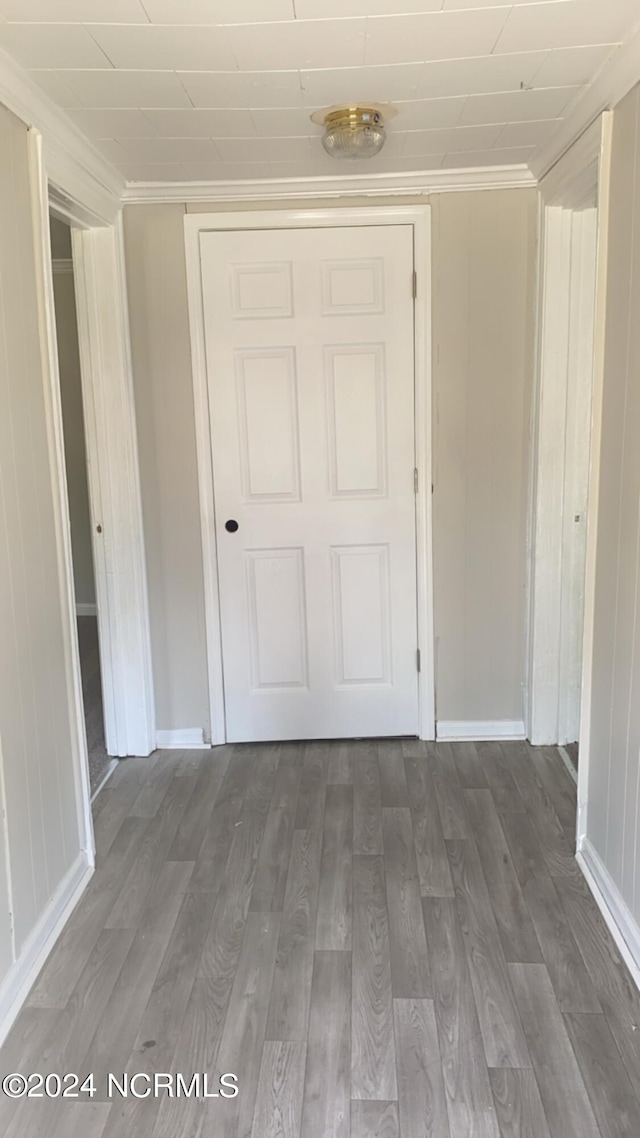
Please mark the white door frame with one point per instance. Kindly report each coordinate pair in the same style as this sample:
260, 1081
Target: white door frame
111, 439
419, 218
567, 314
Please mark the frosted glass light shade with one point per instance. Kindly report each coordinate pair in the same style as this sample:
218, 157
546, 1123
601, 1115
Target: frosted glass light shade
352, 132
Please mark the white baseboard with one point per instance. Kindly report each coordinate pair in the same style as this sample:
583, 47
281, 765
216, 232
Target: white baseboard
619, 919
457, 730
85, 609
182, 739
105, 778
24, 971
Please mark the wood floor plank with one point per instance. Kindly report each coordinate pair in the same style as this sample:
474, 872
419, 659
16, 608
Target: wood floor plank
273, 861
197, 814
421, 1099
617, 994
494, 759
78, 1023
340, 770
212, 856
558, 849
279, 1099
78, 939
466, 1083
517, 934
470, 769
431, 856
159, 778
558, 784
502, 1034
367, 808
159, 1027
374, 1118
615, 1102
518, 1103
313, 785
335, 898
327, 1088
373, 1058
393, 783
291, 991
453, 816
131, 900
410, 972
223, 943
116, 1033
243, 1035
565, 1100
123, 787
571, 982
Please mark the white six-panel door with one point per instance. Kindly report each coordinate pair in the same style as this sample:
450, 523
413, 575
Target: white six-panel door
309, 347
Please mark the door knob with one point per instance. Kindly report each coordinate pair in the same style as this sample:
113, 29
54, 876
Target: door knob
231, 526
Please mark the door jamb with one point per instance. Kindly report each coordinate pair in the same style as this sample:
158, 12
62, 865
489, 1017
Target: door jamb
73, 201
418, 217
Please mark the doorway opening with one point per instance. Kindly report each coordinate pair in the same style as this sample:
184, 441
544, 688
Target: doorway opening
573, 243
101, 765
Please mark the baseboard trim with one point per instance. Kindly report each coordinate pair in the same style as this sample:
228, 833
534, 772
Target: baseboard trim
24, 971
458, 730
83, 608
618, 917
182, 739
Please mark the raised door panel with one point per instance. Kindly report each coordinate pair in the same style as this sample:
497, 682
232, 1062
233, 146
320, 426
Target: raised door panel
267, 404
261, 290
353, 287
362, 614
277, 618
356, 407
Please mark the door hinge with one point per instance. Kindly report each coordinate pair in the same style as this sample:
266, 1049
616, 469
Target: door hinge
415, 480
414, 284
418, 660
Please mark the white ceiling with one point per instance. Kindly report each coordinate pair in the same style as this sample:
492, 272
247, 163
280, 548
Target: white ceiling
175, 90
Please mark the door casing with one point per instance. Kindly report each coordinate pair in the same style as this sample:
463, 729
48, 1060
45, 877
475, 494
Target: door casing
419, 218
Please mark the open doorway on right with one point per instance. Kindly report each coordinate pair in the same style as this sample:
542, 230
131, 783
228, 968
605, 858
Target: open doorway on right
100, 763
562, 447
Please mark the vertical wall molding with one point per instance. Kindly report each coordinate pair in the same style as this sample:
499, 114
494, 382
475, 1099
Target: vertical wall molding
114, 490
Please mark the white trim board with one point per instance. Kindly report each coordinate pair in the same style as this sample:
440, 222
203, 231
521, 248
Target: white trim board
332, 186
55, 433
618, 917
182, 739
24, 971
479, 730
419, 217
114, 490
71, 160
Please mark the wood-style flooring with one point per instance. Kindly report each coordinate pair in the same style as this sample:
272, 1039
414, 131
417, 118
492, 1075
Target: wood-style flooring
381, 940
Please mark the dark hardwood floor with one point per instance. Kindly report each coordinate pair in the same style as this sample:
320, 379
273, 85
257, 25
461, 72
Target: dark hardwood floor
381, 940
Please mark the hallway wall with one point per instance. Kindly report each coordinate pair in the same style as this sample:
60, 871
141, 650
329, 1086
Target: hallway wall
484, 263
613, 818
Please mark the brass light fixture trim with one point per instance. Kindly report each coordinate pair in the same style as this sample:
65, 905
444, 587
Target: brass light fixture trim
354, 131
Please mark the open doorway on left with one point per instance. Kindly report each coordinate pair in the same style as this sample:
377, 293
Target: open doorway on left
100, 763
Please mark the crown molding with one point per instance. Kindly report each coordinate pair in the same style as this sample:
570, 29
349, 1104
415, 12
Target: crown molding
73, 165
614, 80
358, 185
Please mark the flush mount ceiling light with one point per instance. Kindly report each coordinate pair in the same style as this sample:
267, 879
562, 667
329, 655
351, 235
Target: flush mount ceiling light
354, 132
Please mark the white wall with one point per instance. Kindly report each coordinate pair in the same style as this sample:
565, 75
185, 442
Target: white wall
613, 799
74, 441
483, 279
43, 844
